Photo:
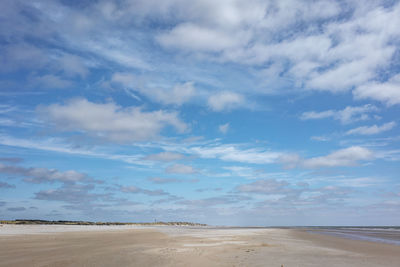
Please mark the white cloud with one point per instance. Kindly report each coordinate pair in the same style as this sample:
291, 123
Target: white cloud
387, 92
241, 171
177, 95
137, 190
160, 180
370, 130
126, 79
270, 186
71, 193
345, 116
320, 138
341, 54
344, 157
164, 156
111, 47
323, 45
314, 115
110, 121
224, 128
224, 101
22, 56
180, 169
41, 175
72, 65
230, 25
230, 152
198, 38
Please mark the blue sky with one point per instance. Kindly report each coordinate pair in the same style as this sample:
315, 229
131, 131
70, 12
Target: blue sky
220, 112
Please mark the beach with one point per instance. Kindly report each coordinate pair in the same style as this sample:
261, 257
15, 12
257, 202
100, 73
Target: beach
58, 245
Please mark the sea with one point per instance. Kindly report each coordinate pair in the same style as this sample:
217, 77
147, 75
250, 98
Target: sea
382, 234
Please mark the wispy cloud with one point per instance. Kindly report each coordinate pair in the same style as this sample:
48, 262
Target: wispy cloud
370, 130
6, 185
42, 175
234, 152
137, 190
177, 95
164, 156
160, 180
16, 209
181, 169
224, 128
59, 145
345, 116
264, 187
343, 157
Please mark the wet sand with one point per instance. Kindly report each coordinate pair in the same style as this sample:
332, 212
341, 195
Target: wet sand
183, 246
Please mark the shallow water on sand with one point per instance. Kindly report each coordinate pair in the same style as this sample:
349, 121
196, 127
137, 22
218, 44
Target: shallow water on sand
390, 235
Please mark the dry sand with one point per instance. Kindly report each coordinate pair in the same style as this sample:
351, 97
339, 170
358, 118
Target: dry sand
52, 245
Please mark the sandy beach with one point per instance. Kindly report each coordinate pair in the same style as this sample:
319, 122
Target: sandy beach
50, 245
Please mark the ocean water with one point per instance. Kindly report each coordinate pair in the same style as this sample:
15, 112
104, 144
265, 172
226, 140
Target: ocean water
389, 235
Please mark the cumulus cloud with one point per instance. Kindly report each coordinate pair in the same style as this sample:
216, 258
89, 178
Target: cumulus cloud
180, 169
370, 130
43, 175
347, 115
164, 156
225, 101
110, 121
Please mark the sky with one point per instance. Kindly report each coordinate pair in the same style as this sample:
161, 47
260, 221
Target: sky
229, 112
